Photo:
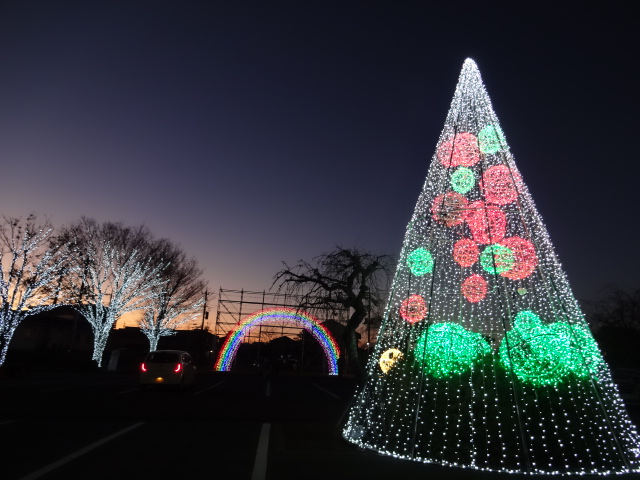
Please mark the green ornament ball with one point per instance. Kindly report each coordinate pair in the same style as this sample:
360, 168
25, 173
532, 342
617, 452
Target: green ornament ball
420, 262
463, 180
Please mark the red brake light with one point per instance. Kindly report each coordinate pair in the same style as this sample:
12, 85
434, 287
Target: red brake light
178, 368
143, 367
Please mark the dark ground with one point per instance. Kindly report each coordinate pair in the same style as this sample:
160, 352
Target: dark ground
102, 426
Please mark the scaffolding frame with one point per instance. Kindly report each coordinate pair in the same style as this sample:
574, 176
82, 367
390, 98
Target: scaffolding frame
234, 305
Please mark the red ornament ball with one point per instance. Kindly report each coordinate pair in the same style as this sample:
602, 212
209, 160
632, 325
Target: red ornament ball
499, 185
525, 258
474, 288
461, 150
488, 223
449, 208
413, 309
465, 252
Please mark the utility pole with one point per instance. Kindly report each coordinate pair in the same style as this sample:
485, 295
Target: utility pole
205, 315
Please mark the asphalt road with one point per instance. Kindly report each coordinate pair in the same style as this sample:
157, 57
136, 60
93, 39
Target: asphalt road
103, 426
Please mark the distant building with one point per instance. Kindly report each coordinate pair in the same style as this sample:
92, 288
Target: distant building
62, 339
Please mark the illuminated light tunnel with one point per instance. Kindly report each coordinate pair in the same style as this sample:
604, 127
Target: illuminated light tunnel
274, 315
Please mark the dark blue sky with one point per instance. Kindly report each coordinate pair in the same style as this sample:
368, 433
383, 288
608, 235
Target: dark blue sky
256, 132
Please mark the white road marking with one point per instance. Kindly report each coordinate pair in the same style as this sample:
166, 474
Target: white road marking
52, 466
209, 388
267, 392
6, 422
325, 390
262, 454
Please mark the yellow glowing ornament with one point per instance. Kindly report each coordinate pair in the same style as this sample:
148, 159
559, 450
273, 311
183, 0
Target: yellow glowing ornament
389, 358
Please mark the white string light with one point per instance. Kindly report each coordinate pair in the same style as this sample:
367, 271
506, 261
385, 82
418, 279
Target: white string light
484, 359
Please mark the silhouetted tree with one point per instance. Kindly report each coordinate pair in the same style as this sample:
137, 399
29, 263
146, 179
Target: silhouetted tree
615, 319
344, 278
178, 299
618, 308
30, 267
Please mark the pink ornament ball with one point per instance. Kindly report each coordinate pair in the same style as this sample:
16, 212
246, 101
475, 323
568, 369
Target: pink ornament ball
500, 185
465, 252
474, 288
462, 150
449, 208
525, 258
413, 309
488, 223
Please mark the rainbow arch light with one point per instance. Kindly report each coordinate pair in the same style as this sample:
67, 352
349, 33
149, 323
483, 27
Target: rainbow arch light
275, 315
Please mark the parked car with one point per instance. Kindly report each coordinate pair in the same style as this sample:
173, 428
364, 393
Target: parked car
167, 367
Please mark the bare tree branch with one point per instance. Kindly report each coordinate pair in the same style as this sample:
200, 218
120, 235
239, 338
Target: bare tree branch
178, 299
30, 265
344, 278
113, 274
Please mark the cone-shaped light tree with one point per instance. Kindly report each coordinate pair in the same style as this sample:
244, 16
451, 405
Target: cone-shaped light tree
484, 359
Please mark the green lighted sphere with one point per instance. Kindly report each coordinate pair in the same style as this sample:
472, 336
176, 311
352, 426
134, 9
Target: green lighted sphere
491, 139
545, 354
526, 319
420, 262
536, 355
583, 356
447, 349
463, 180
497, 259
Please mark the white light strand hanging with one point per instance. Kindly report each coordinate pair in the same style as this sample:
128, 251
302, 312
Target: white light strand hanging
484, 359
32, 266
116, 282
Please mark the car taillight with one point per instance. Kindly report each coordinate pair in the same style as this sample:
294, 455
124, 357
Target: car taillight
178, 368
143, 367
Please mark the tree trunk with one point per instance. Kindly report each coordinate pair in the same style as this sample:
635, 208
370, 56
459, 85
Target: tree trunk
350, 338
4, 347
99, 343
153, 343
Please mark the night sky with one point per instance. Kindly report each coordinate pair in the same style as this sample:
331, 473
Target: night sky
252, 133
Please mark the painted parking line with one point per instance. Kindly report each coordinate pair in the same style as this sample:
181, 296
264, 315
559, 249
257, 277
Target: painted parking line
326, 391
63, 461
262, 454
210, 387
7, 422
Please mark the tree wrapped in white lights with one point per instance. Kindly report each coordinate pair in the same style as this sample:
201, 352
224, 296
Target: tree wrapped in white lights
484, 359
178, 299
115, 273
30, 269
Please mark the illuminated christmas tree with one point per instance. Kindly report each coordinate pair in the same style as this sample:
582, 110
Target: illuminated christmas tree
484, 359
